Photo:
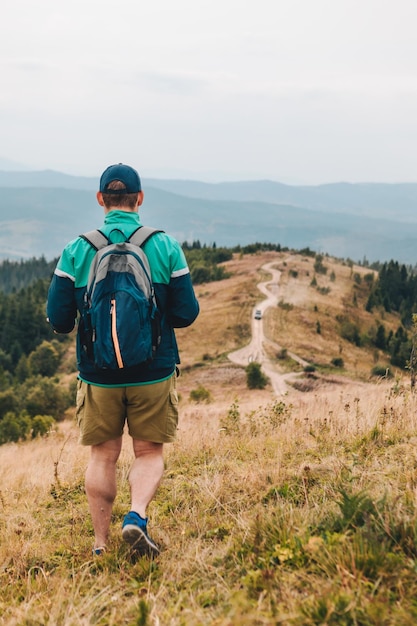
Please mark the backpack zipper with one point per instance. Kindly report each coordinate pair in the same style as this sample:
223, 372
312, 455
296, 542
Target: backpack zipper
114, 336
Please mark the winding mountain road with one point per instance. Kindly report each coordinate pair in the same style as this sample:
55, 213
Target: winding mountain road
255, 351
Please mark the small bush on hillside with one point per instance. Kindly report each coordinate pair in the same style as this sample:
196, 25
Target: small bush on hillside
381, 370
319, 268
41, 425
231, 422
14, 427
309, 368
350, 331
277, 414
307, 252
255, 378
338, 362
286, 306
201, 394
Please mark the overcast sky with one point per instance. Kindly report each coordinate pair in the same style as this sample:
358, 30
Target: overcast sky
304, 91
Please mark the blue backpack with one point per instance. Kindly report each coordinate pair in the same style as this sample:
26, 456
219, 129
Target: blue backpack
120, 322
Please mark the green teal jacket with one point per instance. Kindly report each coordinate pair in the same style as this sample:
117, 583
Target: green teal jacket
174, 293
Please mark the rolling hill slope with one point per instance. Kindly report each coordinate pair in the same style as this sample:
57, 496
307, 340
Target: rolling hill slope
41, 211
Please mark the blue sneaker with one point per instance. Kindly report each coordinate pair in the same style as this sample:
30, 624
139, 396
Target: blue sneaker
134, 532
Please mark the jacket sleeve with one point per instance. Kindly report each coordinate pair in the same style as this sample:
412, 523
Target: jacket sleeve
172, 280
183, 306
61, 307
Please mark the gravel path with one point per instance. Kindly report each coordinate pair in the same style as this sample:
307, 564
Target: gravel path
254, 351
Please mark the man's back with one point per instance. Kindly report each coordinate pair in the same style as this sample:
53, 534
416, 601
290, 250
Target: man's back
173, 291
142, 397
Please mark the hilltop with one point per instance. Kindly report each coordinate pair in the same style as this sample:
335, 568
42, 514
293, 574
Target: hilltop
291, 327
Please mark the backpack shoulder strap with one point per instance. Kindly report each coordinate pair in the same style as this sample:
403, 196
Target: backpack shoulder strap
142, 234
96, 239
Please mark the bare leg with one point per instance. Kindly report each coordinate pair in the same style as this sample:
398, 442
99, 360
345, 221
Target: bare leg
100, 486
145, 474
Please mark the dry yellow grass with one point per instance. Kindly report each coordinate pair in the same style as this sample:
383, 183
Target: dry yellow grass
248, 485
226, 308
217, 485
296, 328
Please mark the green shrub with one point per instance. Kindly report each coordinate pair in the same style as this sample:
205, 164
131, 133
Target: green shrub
41, 425
381, 370
319, 268
9, 402
201, 394
45, 359
44, 396
350, 331
286, 306
309, 368
231, 422
255, 378
203, 273
14, 427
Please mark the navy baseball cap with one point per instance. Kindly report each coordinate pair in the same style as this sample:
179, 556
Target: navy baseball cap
123, 173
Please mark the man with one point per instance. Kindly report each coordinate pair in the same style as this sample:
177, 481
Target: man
143, 396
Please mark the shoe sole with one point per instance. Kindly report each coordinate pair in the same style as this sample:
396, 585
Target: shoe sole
139, 541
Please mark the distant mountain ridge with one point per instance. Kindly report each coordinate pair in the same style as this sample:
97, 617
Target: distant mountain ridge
397, 200
377, 199
41, 211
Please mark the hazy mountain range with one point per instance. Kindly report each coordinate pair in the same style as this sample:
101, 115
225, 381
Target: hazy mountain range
40, 211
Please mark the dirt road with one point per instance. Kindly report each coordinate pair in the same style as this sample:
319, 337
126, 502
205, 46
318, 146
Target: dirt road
254, 351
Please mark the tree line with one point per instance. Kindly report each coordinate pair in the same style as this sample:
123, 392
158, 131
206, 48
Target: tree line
31, 400
204, 261
15, 275
394, 290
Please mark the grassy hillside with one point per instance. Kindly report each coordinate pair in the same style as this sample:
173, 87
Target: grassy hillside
296, 510
340, 293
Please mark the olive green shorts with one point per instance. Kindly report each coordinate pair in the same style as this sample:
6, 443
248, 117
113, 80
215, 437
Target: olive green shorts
151, 412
